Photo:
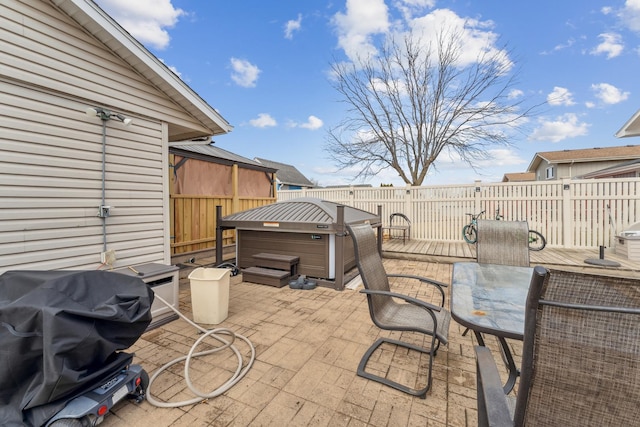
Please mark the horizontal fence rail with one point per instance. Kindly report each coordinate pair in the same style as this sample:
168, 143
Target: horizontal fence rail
193, 225
569, 213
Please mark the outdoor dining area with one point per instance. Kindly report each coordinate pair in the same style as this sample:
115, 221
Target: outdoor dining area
491, 341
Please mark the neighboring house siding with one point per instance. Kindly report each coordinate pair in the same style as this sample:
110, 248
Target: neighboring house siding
567, 170
581, 168
290, 187
45, 48
541, 171
51, 185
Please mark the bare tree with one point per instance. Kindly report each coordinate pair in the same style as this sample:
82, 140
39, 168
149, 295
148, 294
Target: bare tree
412, 101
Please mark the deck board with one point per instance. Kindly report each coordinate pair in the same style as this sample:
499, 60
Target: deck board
449, 252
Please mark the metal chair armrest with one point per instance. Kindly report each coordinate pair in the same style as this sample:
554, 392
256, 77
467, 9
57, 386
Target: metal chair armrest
426, 280
407, 298
493, 409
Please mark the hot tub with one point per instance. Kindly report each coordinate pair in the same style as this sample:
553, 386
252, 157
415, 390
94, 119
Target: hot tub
305, 227
628, 243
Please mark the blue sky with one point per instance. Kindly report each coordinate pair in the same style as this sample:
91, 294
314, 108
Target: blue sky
264, 65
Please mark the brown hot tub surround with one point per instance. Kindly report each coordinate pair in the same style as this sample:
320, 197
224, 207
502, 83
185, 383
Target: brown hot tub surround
307, 228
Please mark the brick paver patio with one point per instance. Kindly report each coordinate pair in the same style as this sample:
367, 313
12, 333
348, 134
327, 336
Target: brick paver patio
308, 344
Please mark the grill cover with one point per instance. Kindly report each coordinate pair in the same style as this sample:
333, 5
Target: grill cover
60, 334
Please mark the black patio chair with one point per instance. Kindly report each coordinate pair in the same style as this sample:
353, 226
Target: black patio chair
580, 357
386, 313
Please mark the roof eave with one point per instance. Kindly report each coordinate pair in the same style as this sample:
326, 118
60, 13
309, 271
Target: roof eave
537, 159
105, 29
631, 127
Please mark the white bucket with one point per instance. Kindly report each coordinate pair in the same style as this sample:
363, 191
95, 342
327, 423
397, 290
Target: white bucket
209, 294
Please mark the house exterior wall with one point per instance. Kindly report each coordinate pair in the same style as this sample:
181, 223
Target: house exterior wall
43, 47
571, 170
51, 152
51, 185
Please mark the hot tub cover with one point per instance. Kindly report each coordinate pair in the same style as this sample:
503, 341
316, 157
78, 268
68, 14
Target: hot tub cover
60, 333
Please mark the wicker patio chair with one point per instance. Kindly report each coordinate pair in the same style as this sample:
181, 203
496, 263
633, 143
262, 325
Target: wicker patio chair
580, 357
386, 313
503, 242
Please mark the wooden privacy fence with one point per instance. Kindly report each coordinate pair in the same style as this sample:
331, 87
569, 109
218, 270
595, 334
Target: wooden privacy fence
569, 213
193, 219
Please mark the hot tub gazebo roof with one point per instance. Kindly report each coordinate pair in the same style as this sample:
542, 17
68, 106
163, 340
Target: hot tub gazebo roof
301, 213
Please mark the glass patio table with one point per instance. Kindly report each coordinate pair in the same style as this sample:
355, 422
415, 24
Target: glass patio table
490, 299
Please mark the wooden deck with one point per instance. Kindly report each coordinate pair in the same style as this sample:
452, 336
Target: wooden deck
450, 252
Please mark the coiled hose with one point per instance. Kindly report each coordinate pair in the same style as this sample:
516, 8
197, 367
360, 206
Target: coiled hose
215, 334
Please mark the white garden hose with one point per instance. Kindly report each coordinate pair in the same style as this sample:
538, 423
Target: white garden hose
215, 334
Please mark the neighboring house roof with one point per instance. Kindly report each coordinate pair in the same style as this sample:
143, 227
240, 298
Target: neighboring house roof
622, 168
101, 26
519, 176
625, 152
216, 154
631, 128
287, 174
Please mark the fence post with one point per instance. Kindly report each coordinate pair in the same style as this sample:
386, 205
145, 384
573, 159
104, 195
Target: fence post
219, 232
339, 254
567, 215
408, 198
477, 199
235, 201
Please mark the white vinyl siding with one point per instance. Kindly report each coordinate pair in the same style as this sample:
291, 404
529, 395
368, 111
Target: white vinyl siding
51, 69
51, 185
41, 46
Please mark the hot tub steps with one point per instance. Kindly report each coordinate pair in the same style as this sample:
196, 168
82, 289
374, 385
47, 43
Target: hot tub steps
278, 261
266, 276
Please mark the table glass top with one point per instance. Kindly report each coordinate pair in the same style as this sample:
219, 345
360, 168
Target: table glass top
490, 298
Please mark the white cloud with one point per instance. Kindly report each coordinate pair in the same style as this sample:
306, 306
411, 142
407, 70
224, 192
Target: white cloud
570, 42
292, 26
263, 120
419, 3
515, 93
560, 96
563, 127
476, 37
609, 94
408, 8
363, 19
611, 45
501, 157
630, 15
244, 73
146, 20
312, 123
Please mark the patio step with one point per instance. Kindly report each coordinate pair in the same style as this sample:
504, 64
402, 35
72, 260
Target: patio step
266, 276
